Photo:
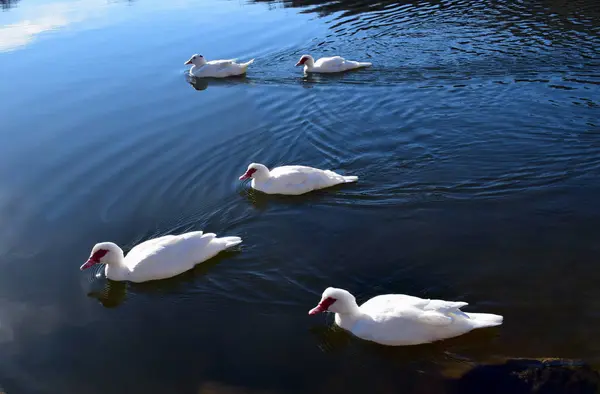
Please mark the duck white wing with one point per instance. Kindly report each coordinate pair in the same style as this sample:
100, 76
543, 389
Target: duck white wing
170, 255
333, 62
442, 313
337, 64
302, 179
221, 63
391, 302
296, 175
397, 319
221, 69
143, 250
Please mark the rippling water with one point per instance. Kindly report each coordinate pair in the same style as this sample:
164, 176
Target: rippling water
476, 137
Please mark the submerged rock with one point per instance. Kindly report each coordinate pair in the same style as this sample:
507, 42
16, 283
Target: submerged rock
520, 376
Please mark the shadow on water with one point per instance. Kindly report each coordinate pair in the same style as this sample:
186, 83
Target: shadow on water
306, 80
477, 170
520, 42
356, 7
8, 4
332, 339
510, 27
514, 376
261, 201
203, 83
312, 79
112, 294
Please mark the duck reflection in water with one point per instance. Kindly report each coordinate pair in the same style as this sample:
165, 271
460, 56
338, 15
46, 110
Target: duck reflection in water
261, 201
311, 80
203, 83
112, 294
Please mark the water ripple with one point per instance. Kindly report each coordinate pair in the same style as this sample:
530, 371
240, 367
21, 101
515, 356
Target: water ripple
473, 113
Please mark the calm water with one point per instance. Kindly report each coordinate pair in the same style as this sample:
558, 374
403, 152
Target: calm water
476, 137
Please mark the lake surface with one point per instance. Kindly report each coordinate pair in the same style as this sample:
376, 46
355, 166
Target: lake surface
476, 137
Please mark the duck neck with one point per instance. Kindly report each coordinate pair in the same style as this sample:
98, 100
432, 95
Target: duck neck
116, 269
347, 319
199, 63
309, 65
195, 68
261, 176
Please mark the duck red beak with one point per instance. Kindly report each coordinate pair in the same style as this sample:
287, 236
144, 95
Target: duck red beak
323, 306
247, 174
88, 264
299, 63
316, 309
188, 62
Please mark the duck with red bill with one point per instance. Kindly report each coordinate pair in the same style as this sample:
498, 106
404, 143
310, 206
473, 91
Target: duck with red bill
323, 306
292, 179
400, 319
248, 174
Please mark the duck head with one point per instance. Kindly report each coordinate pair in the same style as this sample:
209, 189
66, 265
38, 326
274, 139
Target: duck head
104, 253
306, 60
196, 60
256, 171
336, 301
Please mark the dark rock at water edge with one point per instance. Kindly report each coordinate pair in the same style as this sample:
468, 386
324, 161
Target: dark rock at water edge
519, 376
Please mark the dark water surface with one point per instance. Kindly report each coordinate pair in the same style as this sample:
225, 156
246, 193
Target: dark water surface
476, 137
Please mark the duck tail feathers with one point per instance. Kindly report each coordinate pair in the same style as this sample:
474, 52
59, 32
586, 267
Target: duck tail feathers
364, 64
350, 179
249, 62
480, 320
228, 242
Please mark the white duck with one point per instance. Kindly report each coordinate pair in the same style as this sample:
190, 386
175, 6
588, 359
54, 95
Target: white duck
158, 258
397, 319
333, 64
292, 180
216, 68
